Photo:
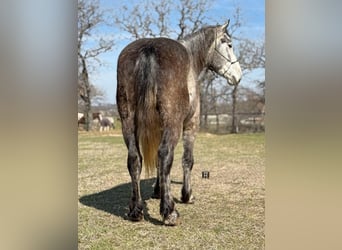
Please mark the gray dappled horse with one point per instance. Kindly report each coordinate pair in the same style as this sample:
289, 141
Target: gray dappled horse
106, 124
158, 98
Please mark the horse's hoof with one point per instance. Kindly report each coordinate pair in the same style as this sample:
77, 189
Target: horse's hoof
191, 200
172, 219
135, 218
188, 200
135, 215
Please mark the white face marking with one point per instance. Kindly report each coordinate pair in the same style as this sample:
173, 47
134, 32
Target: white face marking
224, 60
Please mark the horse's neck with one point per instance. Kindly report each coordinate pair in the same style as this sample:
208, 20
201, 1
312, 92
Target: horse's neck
198, 48
97, 116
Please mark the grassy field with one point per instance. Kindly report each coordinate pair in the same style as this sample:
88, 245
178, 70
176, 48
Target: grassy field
228, 213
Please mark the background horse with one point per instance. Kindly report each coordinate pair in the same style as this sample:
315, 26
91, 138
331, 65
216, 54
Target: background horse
106, 124
96, 115
158, 99
79, 116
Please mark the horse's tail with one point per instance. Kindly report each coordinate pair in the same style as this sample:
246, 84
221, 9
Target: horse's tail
148, 121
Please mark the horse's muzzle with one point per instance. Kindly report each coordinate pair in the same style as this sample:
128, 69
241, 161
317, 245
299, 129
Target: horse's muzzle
233, 81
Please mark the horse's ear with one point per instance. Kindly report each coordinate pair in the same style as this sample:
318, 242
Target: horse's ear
225, 25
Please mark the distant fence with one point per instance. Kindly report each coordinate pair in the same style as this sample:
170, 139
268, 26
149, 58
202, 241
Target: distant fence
244, 123
218, 124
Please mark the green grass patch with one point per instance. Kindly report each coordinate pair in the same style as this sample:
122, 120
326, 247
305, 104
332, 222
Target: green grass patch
229, 211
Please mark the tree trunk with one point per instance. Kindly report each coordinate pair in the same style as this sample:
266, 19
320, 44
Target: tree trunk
88, 115
85, 95
205, 84
234, 128
217, 122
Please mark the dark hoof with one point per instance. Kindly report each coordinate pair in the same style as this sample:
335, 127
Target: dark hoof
136, 214
172, 219
188, 198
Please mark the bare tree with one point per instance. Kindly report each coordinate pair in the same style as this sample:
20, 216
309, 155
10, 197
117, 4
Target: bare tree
153, 19
156, 18
234, 127
252, 56
206, 93
192, 16
90, 18
96, 96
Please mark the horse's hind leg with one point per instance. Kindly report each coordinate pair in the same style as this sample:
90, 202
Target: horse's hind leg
134, 165
187, 163
165, 159
156, 190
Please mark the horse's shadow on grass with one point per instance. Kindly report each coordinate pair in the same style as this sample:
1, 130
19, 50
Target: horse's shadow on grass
115, 200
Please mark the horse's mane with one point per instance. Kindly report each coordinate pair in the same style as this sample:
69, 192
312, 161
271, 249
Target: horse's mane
198, 33
198, 44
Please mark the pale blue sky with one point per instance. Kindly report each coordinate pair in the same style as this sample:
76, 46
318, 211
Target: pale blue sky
253, 17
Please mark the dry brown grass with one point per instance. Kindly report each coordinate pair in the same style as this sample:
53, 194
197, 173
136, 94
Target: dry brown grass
229, 211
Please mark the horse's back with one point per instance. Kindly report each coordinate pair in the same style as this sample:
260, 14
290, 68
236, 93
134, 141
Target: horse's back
170, 55
161, 64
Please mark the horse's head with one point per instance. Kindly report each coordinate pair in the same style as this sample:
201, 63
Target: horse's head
222, 58
97, 115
